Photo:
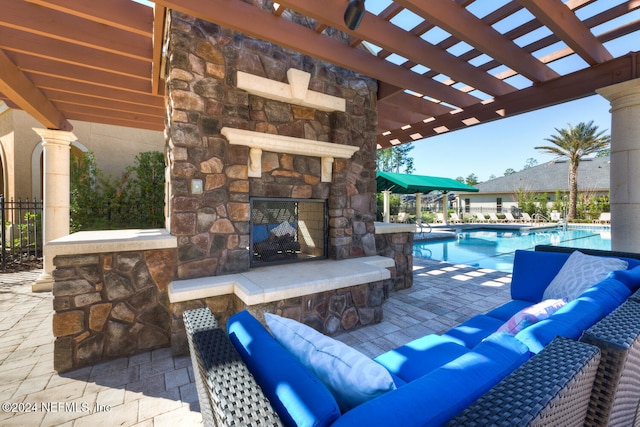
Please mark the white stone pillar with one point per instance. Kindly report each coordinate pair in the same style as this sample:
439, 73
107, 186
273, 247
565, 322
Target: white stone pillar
56, 189
386, 194
418, 207
625, 164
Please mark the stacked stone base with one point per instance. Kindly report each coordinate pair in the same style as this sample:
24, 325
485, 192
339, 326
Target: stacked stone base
399, 247
329, 312
116, 304
110, 305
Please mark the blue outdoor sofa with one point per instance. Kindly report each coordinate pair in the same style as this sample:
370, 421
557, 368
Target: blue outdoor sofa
434, 378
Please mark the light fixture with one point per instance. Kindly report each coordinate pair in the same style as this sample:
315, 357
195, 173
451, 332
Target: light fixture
354, 13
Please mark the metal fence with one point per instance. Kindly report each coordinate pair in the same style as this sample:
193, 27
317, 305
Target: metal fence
21, 232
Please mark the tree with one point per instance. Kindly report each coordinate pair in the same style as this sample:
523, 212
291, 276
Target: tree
472, 179
393, 158
574, 143
509, 171
529, 163
460, 179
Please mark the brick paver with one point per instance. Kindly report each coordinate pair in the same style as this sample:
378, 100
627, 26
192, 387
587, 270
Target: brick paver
157, 389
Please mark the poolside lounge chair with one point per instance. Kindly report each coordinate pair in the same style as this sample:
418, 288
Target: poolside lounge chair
402, 217
494, 218
480, 217
454, 218
439, 218
509, 217
526, 217
605, 218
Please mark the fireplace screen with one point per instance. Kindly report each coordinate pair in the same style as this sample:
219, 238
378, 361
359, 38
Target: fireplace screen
287, 230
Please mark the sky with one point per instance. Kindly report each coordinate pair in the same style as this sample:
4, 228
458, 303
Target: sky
491, 148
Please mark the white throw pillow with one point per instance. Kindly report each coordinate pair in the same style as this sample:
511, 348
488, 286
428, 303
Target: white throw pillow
284, 228
579, 273
352, 377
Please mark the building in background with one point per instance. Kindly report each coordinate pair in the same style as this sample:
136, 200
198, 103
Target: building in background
114, 147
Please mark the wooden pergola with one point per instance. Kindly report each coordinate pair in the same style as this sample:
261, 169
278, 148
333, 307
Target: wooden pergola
103, 62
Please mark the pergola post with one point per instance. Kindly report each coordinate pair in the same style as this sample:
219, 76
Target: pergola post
56, 190
386, 195
418, 207
625, 164
445, 202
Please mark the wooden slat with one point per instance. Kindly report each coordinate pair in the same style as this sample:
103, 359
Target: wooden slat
465, 26
15, 85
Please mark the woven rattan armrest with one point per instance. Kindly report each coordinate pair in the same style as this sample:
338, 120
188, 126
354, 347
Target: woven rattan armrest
550, 389
616, 391
227, 391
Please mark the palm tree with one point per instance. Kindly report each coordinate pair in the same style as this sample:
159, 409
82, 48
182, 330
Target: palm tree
574, 143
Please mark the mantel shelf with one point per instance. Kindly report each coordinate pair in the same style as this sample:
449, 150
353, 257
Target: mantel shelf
259, 141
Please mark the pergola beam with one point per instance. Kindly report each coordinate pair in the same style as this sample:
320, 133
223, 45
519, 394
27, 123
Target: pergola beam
573, 86
28, 97
240, 16
392, 38
566, 25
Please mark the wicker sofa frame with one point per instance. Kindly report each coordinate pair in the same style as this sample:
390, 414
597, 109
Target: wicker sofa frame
616, 392
227, 392
551, 389
230, 396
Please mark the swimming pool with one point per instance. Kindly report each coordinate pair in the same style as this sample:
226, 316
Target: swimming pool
494, 249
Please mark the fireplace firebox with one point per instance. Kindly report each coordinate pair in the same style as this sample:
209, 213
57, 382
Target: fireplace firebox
287, 230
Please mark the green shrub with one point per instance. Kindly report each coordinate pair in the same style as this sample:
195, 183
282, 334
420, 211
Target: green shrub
135, 200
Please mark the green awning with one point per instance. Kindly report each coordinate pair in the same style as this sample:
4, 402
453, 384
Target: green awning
401, 183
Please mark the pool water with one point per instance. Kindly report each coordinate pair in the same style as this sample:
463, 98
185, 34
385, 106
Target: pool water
495, 249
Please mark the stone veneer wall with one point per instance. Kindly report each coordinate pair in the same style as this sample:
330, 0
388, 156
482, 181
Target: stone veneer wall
329, 312
110, 305
398, 246
213, 227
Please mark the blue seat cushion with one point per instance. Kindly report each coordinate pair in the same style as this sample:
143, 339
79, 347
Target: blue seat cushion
435, 398
296, 394
507, 310
421, 356
568, 322
474, 330
532, 273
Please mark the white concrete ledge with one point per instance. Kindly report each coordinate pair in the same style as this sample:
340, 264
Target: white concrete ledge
268, 284
91, 242
392, 227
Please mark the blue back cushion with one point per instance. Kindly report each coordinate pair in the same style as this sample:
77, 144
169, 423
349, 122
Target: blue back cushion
569, 322
608, 294
631, 278
296, 394
434, 399
260, 233
532, 273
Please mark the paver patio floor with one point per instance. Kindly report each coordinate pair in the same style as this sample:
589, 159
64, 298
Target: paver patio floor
157, 389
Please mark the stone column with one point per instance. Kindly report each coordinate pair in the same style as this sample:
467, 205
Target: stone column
56, 189
625, 164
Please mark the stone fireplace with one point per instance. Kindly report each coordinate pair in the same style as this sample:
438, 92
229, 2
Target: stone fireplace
249, 121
